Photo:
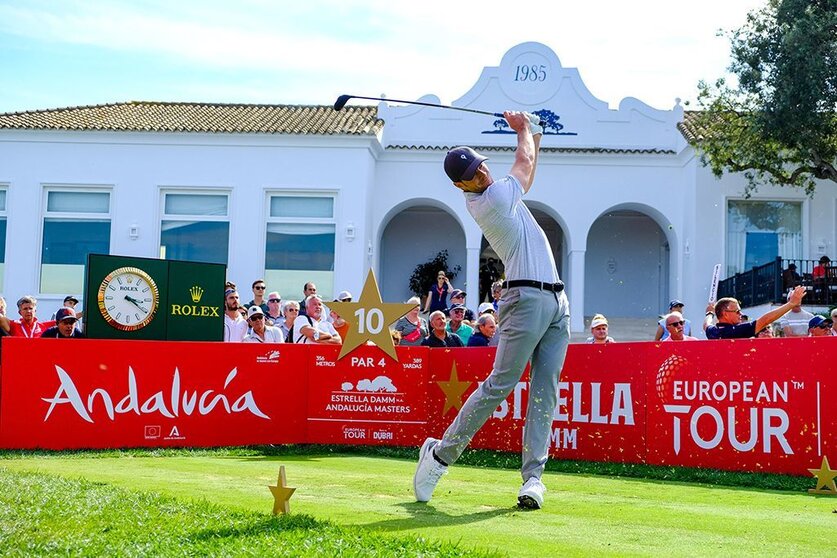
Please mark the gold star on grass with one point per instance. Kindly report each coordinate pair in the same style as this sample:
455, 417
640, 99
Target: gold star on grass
369, 319
453, 389
825, 479
281, 494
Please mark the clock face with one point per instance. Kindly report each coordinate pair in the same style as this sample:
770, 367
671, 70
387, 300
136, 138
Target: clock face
128, 298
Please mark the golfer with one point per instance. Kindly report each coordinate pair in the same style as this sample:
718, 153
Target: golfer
534, 314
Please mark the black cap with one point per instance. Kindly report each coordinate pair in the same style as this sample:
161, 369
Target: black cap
461, 163
71, 298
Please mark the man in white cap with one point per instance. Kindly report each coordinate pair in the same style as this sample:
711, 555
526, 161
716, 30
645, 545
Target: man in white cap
534, 312
598, 328
259, 331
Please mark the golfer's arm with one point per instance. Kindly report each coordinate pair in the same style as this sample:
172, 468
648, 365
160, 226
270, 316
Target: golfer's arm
525, 158
773, 315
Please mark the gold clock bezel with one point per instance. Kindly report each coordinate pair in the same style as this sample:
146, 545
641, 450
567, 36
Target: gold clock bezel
155, 298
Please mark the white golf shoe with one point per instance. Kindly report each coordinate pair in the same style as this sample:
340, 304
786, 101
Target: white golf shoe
531, 494
428, 472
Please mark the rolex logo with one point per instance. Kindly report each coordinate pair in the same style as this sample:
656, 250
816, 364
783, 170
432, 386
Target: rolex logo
130, 279
196, 292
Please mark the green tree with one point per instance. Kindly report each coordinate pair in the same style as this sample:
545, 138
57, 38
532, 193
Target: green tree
778, 126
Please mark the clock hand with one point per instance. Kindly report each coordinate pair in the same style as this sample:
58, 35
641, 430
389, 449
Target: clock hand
135, 302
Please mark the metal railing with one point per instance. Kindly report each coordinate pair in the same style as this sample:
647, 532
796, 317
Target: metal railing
769, 283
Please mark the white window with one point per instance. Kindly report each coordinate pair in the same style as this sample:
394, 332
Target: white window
2, 235
195, 227
300, 243
759, 231
76, 223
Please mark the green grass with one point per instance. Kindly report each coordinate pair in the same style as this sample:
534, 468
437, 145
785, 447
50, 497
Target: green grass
364, 497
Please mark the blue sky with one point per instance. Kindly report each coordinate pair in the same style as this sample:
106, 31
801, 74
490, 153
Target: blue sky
62, 53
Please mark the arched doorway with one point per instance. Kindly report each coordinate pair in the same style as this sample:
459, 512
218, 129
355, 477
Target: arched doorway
490, 264
626, 266
414, 236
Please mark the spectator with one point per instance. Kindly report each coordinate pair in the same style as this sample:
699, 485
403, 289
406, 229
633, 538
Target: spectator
795, 322
728, 313
396, 337
765, 332
70, 302
439, 335
230, 285
274, 309
457, 298
344, 296
259, 288
235, 326
662, 331
290, 310
790, 278
820, 274
437, 297
486, 328
313, 327
834, 320
4, 320
65, 328
496, 293
488, 275
486, 307
457, 325
340, 325
598, 327
308, 289
412, 327
820, 327
28, 325
260, 332
675, 324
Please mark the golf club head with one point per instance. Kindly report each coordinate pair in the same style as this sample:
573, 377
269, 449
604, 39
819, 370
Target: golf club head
341, 101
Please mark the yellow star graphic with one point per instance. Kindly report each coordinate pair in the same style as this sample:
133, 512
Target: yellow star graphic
369, 319
825, 479
281, 494
453, 389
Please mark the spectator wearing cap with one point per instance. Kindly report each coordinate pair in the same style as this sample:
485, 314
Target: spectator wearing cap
412, 327
439, 335
598, 329
790, 277
486, 328
795, 322
274, 309
259, 287
663, 331
28, 325
341, 325
70, 302
457, 324
457, 298
730, 325
819, 327
676, 325
235, 326
65, 325
313, 327
260, 332
308, 289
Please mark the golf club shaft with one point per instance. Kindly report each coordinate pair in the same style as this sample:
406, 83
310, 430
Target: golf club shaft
343, 99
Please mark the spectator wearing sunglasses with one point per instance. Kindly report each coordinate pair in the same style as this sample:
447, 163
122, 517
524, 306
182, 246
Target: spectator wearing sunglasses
457, 325
274, 309
260, 332
676, 328
819, 327
730, 325
258, 296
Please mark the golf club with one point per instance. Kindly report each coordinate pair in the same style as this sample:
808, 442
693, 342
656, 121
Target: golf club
343, 99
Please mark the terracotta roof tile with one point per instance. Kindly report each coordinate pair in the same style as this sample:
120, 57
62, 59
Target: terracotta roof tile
147, 116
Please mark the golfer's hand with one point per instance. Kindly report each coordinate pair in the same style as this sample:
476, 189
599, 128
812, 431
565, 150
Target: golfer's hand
534, 123
518, 121
796, 295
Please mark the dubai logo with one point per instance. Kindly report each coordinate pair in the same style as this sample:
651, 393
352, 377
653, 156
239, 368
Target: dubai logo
549, 121
197, 293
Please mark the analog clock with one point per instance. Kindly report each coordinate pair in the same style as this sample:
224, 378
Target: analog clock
128, 298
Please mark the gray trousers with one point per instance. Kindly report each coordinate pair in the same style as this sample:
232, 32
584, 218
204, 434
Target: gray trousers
533, 324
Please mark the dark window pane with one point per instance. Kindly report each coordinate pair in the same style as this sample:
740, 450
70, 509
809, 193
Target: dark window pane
288, 251
198, 241
69, 242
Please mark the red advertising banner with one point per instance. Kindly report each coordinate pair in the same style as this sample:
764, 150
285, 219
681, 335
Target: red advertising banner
750, 405
367, 397
108, 393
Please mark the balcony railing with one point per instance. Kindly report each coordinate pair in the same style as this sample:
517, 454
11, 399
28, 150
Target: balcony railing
769, 283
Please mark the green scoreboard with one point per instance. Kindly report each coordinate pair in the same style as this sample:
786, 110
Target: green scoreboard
145, 298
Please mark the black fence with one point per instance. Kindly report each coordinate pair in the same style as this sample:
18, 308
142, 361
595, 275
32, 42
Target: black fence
770, 282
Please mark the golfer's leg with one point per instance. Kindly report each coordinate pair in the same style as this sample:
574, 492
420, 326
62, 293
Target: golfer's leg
516, 344
547, 362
